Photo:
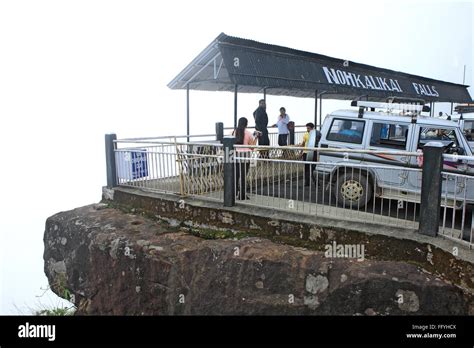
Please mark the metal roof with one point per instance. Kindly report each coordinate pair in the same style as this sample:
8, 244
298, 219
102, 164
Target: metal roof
255, 66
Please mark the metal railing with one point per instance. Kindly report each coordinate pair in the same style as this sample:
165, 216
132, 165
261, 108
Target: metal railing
347, 190
185, 168
148, 166
298, 131
276, 177
457, 197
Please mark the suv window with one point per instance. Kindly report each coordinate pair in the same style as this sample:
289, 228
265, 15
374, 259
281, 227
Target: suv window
389, 135
444, 135
346, 131
469, 130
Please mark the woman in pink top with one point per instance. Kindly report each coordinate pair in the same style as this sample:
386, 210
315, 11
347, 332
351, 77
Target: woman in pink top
242, 137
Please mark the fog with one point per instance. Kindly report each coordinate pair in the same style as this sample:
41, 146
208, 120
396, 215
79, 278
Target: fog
72, 71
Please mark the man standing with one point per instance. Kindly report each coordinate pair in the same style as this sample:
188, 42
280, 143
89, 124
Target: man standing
309, 167
282, 125
261, 122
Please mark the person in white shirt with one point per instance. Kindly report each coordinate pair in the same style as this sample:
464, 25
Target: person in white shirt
282, 125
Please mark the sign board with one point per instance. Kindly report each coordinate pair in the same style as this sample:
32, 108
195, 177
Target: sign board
291, 71
132, 165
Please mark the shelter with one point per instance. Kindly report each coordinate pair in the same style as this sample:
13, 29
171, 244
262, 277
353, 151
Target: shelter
246, 66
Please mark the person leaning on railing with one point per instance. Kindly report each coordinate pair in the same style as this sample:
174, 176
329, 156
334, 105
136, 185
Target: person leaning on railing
243, 137
282, 124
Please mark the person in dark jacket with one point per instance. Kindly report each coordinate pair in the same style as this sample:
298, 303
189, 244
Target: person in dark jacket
261, 123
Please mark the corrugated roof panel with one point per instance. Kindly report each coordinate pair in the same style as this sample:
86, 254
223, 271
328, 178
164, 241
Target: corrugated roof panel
254, 66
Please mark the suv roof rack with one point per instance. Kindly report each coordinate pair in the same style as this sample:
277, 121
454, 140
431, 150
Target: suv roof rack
391, 106
464, 108
405, 100
415, 106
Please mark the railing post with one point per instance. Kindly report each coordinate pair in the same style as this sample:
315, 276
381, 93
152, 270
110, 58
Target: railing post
229, 171
431, 183
219, 131
110, 160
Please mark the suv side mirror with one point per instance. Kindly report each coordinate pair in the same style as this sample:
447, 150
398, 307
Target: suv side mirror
460, 151
453, 150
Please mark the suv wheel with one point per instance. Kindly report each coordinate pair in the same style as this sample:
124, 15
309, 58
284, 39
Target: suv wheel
353, 190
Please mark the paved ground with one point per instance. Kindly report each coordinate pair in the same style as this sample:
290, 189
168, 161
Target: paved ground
319, 200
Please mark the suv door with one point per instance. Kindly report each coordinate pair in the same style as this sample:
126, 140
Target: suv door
451, 138
350, 185
389, 136
468, 128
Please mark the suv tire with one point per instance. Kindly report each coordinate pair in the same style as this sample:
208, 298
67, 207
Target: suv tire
352, 189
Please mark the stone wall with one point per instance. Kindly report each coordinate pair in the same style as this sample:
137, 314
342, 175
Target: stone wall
144, 254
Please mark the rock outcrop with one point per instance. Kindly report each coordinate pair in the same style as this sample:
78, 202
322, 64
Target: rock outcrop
110, 262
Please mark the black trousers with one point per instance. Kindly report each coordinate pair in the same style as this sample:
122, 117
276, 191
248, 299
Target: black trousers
264, 140
308, 169
242, 165
282, 139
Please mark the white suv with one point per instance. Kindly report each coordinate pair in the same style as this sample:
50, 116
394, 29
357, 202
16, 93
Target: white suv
465, 118
356, 178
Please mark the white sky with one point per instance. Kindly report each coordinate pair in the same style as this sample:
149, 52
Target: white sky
71, 71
